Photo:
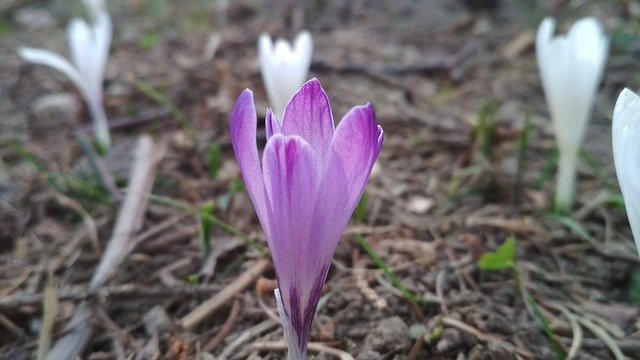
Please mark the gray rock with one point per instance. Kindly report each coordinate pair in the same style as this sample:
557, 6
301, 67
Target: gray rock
32, 18
390, 334
53, 112
156, 320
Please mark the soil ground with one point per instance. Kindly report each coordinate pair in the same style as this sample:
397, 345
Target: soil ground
453, 83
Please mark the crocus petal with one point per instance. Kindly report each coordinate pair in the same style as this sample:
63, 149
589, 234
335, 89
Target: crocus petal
49, 58
626, 155
271, 124
102, 30
291, 179
571, 67
90, 50
80, 39
243, 139
354, 149
308, 114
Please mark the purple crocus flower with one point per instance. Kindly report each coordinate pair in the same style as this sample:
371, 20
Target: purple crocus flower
304, 190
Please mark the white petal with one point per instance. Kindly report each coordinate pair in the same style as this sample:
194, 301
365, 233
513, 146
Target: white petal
90, 51
79, 38
626, 155
49, 58
102, 32
303, 50
571, 67
284, 67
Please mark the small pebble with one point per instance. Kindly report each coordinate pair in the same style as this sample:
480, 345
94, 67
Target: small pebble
34, 19
156, 320
390, 334
53, 112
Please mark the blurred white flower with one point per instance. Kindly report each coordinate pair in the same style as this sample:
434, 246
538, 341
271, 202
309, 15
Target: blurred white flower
626, 155
95, 7
284, 68
89, 47
571, 68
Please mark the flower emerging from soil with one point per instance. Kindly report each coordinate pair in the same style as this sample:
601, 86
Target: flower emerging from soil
89, 45
626, 155
571, 67
304, 190
284, 67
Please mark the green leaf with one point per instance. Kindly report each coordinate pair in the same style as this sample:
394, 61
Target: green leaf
395, 281
576, 227
553, 339
207, 226
193, 280
503, 258
214, 160
361, 210
633, 297
149, 41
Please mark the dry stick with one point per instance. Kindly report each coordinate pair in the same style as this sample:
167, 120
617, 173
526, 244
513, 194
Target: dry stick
602, 334
314, 346
49, 315
128, 222
246, 336
628, 346
13, 328
126, 291
225, 329
208, 307
485, 337
576, 329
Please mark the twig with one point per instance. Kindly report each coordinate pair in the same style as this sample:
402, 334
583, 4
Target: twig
576, 329
128, 222
628, 346
313, 346
602, 334
246, 336
208, 307
131, 213
89, 223
485, 337
13, 328
225, 329
126, 291
440, 292
49, 315
516, 226
267, 311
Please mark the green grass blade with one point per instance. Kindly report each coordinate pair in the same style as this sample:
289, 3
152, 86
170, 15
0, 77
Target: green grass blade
395, 281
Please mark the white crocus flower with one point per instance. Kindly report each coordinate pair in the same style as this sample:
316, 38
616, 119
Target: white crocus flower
89, 47
95, 7
284, 68
626, 155
571, 67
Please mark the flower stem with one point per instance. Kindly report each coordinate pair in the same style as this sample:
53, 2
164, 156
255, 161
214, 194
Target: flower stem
565, 189
100, 124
